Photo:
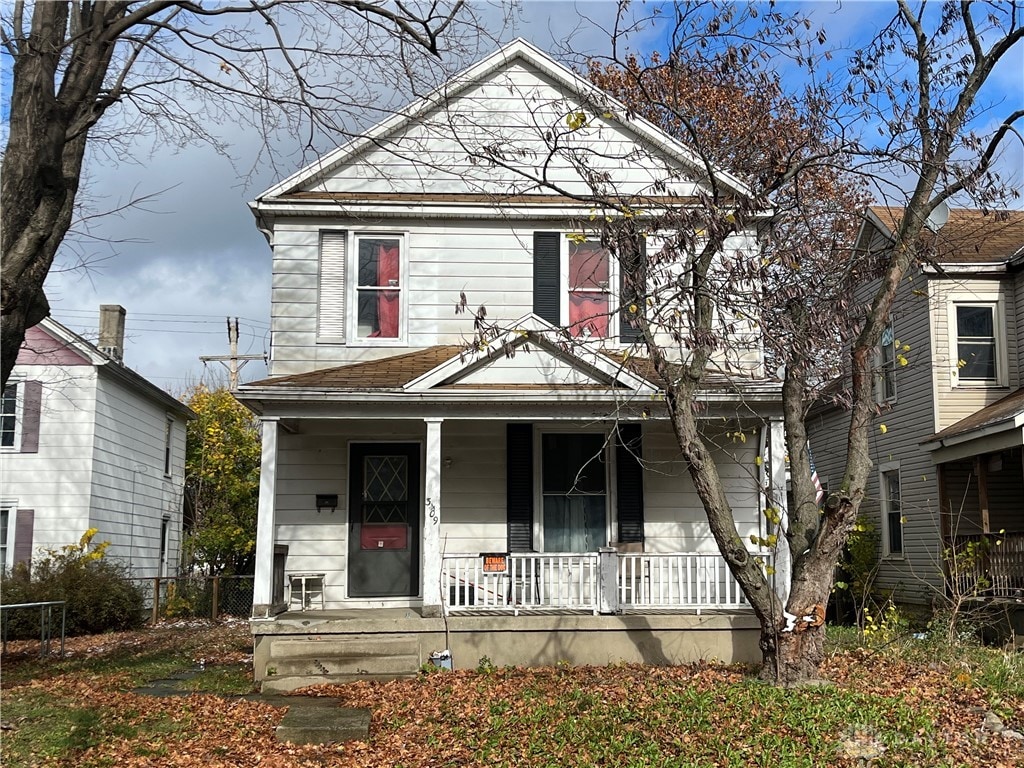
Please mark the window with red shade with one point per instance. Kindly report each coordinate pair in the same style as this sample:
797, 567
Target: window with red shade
589, 283
379, 283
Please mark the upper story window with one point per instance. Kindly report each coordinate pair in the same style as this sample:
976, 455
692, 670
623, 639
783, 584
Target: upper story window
168, 441
887, 366
10, 423
977, 343
378, 287
588, 289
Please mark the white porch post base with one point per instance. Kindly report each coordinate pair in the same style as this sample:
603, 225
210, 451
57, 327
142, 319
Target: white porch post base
430, 555
263, 581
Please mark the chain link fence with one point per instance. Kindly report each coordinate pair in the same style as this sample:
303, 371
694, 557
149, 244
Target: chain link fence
197, 596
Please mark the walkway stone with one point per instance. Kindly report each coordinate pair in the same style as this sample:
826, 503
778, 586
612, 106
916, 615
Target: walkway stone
319, 721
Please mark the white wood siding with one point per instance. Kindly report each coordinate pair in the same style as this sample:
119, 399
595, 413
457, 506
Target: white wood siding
130, 493
491, 261
956, 402
56, 481
521, 117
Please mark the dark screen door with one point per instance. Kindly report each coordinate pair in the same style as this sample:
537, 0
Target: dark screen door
384, 516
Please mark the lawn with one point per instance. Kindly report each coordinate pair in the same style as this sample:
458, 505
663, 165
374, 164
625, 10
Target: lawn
910, 704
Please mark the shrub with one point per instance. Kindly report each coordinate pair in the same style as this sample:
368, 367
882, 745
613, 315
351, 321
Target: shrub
99, 594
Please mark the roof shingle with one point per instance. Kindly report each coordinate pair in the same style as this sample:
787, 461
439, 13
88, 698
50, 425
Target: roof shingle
970, 236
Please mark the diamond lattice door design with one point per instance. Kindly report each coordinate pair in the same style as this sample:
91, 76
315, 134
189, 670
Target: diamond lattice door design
384, 520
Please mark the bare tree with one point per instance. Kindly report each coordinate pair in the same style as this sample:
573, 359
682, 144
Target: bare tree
700, 299
104, 74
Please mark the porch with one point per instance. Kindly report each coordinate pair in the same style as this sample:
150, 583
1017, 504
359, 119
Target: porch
988, 565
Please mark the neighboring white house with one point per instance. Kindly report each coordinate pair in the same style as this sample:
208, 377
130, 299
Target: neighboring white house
87, 443
530, 490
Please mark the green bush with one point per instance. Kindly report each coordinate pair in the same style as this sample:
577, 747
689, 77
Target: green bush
99, 594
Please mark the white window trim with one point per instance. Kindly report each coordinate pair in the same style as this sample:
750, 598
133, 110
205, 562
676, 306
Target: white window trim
11, 507
994, 302
611, 501
883, 503
19, 414
613, 293
352, 287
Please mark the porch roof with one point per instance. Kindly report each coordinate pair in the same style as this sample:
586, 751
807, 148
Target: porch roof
386, 373
1003, 415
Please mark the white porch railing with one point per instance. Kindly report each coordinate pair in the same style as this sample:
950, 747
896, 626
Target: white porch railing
605, 582
678, 580
541, 582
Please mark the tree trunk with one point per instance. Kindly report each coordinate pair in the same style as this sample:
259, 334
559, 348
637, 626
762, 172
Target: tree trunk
792, 658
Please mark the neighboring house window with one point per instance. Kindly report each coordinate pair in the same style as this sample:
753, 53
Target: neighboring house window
10, 424
574, 491
5, 521
887, 365
976, 344
168, 440
379, 286
165, 534
589, 281
892, 511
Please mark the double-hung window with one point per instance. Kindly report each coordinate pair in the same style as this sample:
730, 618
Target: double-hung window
977, 347
887, 365
892, 511
574, 491
378, 287
10, 423
589, 289
5, 520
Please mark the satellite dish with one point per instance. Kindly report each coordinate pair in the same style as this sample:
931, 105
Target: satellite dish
937, 218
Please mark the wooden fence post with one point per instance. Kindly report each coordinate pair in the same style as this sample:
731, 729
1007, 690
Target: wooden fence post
215, 611
156, 599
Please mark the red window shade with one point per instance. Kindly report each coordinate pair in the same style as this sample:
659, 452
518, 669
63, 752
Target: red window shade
588, 314
588, 266
388, 306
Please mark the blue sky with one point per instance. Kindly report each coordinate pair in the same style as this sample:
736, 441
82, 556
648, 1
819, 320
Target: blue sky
191, 255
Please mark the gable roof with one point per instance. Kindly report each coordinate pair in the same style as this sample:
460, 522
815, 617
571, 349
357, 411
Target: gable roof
517, 50
970, 236
107, 365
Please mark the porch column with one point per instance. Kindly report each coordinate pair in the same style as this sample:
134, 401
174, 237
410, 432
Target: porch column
783, 558
430, 554
263, 581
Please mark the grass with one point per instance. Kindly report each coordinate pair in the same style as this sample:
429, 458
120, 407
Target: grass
910, 703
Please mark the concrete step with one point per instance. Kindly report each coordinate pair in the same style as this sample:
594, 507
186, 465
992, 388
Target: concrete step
369, 666
341, 647
314, 723
288, 683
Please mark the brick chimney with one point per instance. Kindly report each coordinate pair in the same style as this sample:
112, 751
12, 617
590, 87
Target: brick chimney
112, 331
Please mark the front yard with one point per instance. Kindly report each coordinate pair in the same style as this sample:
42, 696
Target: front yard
911, 704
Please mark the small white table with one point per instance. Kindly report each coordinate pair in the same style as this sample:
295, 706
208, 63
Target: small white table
308, 587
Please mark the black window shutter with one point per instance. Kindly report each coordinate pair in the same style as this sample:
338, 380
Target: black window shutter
519, 496
632, 287
546, 283
32, 400
629, 477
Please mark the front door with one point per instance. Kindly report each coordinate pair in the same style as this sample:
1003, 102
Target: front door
384, 520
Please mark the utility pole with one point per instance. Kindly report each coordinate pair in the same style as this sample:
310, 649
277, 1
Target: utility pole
234, 362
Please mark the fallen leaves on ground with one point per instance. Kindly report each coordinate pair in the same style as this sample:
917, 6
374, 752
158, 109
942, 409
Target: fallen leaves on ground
882, 711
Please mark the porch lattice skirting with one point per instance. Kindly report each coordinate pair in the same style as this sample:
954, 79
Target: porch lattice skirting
603, 582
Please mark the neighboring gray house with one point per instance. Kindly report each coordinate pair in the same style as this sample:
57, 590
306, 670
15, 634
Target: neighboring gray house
529, 490
948, 465
87, 443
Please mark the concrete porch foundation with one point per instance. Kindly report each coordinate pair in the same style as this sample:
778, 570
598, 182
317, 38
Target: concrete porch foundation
294, 650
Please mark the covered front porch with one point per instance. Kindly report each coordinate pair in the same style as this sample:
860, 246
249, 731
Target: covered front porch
980, 466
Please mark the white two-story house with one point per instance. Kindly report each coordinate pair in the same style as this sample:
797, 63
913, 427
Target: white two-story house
520, 496
85, 442
947, 441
